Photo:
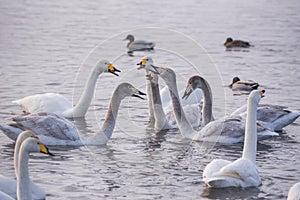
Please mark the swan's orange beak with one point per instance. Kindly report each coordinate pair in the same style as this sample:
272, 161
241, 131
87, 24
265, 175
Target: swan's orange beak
44, 149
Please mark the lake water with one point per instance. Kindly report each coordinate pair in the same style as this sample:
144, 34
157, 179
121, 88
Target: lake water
49, 46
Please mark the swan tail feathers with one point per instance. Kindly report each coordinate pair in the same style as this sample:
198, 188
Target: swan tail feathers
286, 120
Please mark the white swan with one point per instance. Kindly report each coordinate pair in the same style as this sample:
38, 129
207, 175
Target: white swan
56, 103
56, 130
9, 186
242, 172
191, 105
214, 131
138, 45
238, 85
294, 192
274, 117
23, 181
23, 188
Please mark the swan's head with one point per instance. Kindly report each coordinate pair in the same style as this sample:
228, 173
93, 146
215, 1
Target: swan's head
105, 66
34, 145
147, 63
130, 38
168, 75
256, 95
26, 134
127, 90
193, 83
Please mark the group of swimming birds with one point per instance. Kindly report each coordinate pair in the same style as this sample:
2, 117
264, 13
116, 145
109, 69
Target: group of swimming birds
189, 110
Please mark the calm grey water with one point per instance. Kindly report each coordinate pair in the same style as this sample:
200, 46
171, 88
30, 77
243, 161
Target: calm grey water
46, 47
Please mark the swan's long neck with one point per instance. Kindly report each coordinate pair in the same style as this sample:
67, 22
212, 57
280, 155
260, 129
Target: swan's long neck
159, 114
111, 116
23, 186
184, 126
149, 99
250, 142
16, 156
86, 98
207, 104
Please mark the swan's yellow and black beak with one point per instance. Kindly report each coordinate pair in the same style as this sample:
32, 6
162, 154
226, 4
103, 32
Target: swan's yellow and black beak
112, 69
188, 91
137, 93
262, 92
142, 65
44, 149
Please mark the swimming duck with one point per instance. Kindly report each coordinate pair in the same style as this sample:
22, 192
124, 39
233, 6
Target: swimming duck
230, 43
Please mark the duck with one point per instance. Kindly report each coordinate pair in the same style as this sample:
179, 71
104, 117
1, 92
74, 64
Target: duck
230, 43
23, 187
272, 116
294, 192
58, 104
191, 105
211, 130
138, 45
9, 186
53, 129
239, 85
242, 172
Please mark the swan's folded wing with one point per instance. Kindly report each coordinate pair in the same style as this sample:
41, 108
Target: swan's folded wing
214, 167
244, 170
50, 125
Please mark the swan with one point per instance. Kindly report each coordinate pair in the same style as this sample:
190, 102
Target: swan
210, 130
23, 188
28, 146
53, 129
167, 121
273, 117
138, 45
9, 186
238, 84
56, 103
191, 105
243, 171
230, 43
294, 192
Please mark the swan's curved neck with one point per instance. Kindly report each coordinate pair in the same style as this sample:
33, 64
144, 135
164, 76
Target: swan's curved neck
149, 99
86, 98
16, 156
159, 114
184, 126
250, 142
23, 186
207, 104
111, 116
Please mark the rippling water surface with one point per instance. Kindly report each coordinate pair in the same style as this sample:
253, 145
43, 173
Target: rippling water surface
46, 46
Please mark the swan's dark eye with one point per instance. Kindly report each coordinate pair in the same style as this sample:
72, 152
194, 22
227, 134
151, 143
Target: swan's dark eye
147, 59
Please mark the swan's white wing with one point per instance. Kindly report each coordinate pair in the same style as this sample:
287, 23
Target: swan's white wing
192, 113
240, 173
194, 98
214, 167
275, 117
230, 130
49, 125
49, 102
294, 192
